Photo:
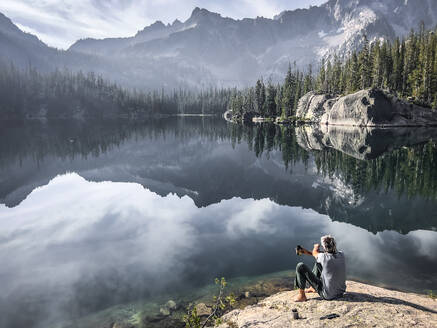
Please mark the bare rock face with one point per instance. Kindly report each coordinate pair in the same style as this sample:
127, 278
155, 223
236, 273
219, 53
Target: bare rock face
362, 306
370, 107
311, 106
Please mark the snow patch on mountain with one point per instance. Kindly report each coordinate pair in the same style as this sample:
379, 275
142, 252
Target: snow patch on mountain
210, 49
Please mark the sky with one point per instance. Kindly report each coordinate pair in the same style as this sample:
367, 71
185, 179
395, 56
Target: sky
59, 23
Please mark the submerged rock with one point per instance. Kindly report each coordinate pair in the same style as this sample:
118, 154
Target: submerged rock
171, 305
168, 308
164, 311
370, 107
362, 306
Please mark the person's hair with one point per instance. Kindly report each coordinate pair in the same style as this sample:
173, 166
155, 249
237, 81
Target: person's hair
329, 244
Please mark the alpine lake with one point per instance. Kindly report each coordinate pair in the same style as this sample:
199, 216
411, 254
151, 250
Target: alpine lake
106, 221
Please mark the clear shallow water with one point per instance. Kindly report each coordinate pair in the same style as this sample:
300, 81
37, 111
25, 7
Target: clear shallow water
99, 214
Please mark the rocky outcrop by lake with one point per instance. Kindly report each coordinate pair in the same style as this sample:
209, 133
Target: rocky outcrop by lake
362, 306
369, 107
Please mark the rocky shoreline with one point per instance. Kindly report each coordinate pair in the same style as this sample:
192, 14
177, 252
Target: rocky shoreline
362, 306
371, 107
267, 301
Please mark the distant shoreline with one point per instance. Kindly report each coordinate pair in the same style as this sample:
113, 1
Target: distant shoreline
198, 115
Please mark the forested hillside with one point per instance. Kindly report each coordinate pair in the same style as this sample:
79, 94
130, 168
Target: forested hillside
29, 94
406, 67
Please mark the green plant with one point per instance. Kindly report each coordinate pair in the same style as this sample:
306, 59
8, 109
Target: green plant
432, 294
221, 303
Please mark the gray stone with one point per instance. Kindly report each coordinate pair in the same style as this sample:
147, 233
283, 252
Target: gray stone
311, 106
362, 306
228, 115
203, 310
164, 311
171, 305
370, 107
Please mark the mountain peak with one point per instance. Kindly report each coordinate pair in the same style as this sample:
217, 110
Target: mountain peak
5, 22
158, 25
196, 11
202, 13
176, 22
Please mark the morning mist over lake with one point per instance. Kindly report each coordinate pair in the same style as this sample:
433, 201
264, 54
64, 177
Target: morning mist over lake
218, 163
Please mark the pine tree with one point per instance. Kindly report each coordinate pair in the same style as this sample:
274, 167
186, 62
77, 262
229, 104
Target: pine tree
308, 81
288, 94
396, 77
260, 96
365, 65
321, 78
377, 65
354, 76
335, 76
270, 100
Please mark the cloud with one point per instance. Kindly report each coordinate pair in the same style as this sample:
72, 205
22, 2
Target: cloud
60, 23
74, 242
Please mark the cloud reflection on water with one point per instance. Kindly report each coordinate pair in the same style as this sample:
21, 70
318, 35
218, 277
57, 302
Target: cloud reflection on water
74, 240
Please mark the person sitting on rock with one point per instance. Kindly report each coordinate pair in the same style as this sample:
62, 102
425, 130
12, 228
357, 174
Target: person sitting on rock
328, 277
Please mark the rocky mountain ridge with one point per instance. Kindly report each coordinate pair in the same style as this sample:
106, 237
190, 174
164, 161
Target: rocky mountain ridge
210, 50
266, 46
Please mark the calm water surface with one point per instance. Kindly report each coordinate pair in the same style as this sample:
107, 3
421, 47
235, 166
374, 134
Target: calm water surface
103, 213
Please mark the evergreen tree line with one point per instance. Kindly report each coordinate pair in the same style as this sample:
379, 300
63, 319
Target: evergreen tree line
405, 67
271, 100
29, 93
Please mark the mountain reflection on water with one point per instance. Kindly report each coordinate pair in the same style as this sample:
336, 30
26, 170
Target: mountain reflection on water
102, 213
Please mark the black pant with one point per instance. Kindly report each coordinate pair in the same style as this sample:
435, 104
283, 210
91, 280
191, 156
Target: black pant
304, 275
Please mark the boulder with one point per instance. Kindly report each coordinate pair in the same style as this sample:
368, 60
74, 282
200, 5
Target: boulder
228, 115
171, 305
369, 107
311, 106
376, 108
168, 307
164, 311
203, 310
